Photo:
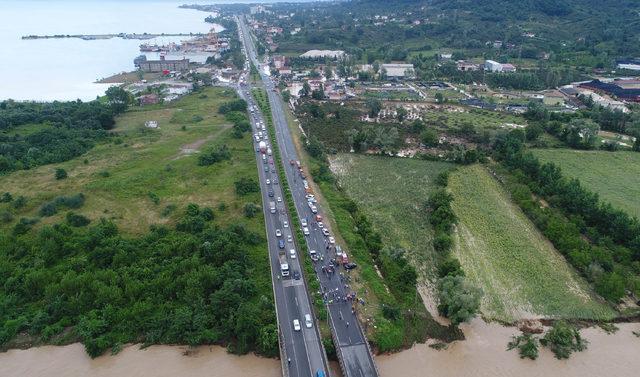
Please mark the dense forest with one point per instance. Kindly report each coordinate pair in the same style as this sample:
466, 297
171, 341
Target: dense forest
64, 129
195, 284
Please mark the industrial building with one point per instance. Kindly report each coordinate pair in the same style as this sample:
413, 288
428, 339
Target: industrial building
161, 65
398, 70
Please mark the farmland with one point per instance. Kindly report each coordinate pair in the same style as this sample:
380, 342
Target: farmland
392, 191
522, 275
615, 176
138, 177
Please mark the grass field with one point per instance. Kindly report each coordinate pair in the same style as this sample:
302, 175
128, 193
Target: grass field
522, 275
117, 177
480, 119
615, 176
393, 191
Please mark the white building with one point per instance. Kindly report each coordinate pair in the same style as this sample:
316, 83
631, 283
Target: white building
492, 66
323, 54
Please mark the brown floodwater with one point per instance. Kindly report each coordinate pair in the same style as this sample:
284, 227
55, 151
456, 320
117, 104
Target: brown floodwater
483, 354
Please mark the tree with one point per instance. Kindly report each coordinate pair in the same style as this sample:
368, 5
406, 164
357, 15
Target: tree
459, 300
250, 210
374, 106
306, 90
401, 113
60, 174
328, 73
246, 186
286, 95
440, 97
118, 99
581, 133
318, 94
429, 137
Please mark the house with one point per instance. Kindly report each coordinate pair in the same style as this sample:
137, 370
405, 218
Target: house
285, 72
151, 124
467, 66
613, 89
509, 68
398, 70
149, 99
279, 61
445, 56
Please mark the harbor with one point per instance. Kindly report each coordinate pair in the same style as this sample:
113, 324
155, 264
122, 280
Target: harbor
89, 37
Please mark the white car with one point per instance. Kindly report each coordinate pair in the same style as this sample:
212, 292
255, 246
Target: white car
320, 224
303, 222
332, 240
292, 253
307, 321
285, 224
268, 181
305, 230
314, 209
325, 231
296, 325
289, 238
279, 199
309, 196
278, 233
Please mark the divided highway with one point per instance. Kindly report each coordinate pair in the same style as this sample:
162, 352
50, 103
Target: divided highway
356, 358
301, 348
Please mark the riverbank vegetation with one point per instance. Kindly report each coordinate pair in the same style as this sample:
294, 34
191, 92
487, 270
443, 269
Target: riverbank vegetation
152, 249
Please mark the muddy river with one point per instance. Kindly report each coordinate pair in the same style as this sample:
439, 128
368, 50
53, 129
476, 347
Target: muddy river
482, 354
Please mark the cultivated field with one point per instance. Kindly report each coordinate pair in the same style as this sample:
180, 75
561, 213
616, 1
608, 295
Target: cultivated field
522, 275
122, 177
393, 191
615, 176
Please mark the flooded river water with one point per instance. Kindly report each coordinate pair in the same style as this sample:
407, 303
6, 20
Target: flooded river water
482, 354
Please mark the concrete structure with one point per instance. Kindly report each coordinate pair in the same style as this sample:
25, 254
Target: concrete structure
398, 70
632, 64
162, 65
335, 54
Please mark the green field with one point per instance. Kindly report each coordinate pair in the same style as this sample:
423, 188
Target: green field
392, 191
615, 176
117, 177
522, 275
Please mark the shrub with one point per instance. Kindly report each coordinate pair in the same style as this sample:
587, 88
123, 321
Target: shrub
563, 339
213, 156
154, 197
6, 198
20, 202
250, 210
168, 209
245, 186
6, 217
77, 220
526, 344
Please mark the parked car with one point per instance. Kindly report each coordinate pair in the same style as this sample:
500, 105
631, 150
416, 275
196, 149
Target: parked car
307, 321
332, 240
325, 231
350, 266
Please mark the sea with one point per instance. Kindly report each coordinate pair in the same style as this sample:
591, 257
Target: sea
67, 69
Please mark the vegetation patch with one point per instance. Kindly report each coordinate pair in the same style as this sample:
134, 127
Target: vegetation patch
520, 272
614, 176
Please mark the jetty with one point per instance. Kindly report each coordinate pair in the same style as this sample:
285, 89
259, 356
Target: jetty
89, 37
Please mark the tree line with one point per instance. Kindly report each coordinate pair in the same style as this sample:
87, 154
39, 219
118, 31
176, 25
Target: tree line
600, 241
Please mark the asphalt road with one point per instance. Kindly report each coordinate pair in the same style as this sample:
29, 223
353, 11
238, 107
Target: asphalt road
357, 360
303, 348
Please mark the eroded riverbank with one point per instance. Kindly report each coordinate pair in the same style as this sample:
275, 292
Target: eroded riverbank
482, 354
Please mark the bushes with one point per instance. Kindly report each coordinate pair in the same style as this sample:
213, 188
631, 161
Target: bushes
52, 207
60, 174
245, 186
526, 344
563, 339
250, 210
214, 156
76, 220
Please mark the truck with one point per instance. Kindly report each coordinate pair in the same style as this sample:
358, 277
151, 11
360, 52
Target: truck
284, 269
272, 207
263, 147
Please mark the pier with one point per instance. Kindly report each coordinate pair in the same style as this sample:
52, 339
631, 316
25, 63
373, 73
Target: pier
89, 37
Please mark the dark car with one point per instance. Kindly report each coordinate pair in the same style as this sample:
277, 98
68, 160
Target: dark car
350, 266
271, 194
296, 275
281, 244
266, 169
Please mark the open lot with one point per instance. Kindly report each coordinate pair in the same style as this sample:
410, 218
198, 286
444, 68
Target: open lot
120, 178
522, 275
615, 176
